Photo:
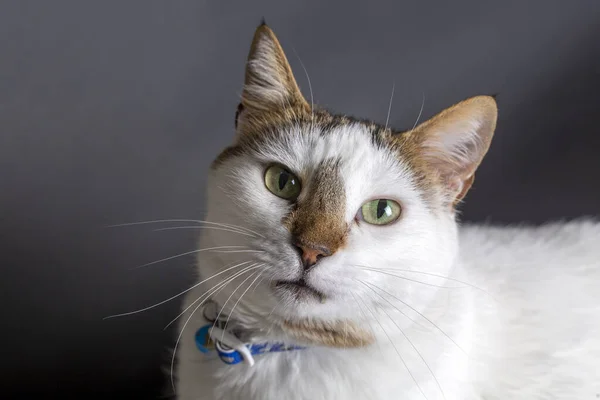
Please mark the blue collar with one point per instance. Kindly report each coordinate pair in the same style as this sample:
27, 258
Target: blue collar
232, 350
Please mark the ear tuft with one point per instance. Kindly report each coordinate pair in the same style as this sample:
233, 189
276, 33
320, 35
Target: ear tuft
454, 142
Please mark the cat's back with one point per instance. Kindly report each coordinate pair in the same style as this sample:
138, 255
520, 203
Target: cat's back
541, 332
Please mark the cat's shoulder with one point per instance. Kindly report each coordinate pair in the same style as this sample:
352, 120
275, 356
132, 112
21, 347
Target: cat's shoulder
558, 236
568, 248
532, 264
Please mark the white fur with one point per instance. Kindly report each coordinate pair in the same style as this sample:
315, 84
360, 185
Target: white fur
530, 330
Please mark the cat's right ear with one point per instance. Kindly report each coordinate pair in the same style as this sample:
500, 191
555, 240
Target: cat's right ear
270, 88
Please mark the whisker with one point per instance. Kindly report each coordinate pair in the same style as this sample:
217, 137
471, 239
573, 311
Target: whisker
422, 316
346, 333
420, 111
368, 322
177, 295
236, 303
390, 106
237, 251
408, 279
218, 228
312, 100
185, 254
428, 274
259, 282
406, 337
272, 321
199, 221
401, 312
179, 339
214, 290
156, 221
398, 352
230, 296
273, 310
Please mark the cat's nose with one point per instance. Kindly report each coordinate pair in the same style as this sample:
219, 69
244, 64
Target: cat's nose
311, 253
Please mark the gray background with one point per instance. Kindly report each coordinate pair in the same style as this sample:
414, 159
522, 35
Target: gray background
111, 111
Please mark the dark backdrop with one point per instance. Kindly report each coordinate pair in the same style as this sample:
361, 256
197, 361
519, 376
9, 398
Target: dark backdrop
111, 111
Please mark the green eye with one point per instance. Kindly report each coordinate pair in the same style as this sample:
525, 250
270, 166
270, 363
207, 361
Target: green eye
380, 211
282, 183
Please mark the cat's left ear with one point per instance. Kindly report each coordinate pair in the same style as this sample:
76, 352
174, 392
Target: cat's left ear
269, 87
453, 143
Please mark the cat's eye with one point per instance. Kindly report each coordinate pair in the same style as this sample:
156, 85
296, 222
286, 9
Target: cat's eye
380, 211
281, 182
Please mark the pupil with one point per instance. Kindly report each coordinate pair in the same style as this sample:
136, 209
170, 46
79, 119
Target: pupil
283, 179
382, 208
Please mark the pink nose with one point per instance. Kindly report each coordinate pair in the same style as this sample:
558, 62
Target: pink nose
310, 254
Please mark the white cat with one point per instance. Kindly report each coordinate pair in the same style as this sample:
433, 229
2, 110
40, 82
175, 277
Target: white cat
340, 236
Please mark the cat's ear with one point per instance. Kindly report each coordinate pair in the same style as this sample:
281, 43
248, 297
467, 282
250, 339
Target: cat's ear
453, 143
269, 85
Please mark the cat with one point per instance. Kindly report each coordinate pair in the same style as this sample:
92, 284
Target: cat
333, 266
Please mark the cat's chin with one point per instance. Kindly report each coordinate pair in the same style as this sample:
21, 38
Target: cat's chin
305, 322
298, 291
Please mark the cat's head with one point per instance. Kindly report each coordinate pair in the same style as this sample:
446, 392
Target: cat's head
336, 214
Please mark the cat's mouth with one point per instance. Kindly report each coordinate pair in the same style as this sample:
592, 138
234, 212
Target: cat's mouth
300, 290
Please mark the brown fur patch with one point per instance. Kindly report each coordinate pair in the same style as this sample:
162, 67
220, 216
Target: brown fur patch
319, 218
340, 334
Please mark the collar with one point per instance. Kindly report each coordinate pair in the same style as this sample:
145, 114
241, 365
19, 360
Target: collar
216, 336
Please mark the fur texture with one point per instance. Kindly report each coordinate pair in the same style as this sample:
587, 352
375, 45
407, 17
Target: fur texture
418, 308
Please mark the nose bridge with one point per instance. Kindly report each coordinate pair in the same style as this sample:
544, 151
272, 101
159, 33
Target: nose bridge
318, 221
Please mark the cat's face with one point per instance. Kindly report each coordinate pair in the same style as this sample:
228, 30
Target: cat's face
340, 215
